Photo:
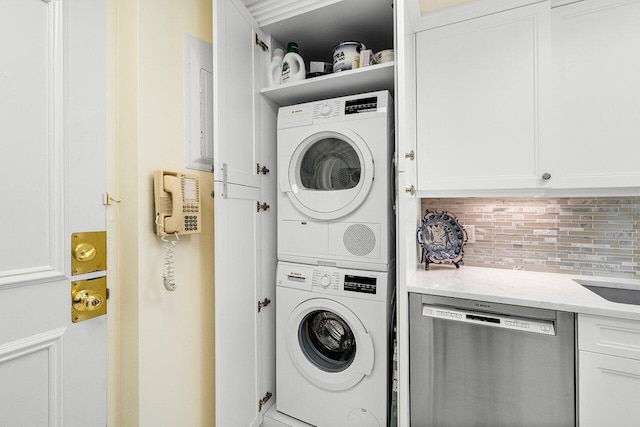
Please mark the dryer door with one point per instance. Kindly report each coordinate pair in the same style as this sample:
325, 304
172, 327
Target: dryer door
328, 344
330, 174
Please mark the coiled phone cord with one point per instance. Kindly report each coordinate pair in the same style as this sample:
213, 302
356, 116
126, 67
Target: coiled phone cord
168, 271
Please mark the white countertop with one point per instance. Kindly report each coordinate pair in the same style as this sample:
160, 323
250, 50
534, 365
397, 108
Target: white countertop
532, 289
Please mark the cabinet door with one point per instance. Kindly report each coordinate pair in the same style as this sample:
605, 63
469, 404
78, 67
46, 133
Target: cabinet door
595, 45
235, 89
609, 387
237, 246
480, 86
239, 242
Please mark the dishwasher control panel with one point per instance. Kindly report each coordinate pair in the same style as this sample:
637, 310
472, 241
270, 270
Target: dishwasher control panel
545, 327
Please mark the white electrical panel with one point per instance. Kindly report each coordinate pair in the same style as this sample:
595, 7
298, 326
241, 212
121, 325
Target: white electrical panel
198, 103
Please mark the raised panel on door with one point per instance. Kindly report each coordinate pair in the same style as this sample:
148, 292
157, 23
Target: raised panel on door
52, 109
237, 261
595, 45
480, 98
235, 59
609, 387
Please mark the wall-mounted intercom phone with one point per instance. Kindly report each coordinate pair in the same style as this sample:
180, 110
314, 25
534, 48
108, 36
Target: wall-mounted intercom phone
177, 212
177, 201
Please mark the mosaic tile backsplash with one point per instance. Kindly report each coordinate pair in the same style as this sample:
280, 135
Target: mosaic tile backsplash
586, 236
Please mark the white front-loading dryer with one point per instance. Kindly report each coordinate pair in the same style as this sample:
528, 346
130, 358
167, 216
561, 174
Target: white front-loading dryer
335, 179
333, 331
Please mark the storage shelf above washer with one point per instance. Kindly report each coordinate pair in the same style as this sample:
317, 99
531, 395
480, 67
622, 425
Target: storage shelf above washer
366, 79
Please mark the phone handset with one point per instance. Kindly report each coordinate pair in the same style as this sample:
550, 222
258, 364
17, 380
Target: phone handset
172, 185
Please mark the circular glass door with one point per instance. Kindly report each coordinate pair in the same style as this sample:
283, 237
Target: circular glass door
328, 344
327, 341
330, 174
330, 164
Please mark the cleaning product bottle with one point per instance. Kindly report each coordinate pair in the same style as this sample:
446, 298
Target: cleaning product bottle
275, 67
293, 65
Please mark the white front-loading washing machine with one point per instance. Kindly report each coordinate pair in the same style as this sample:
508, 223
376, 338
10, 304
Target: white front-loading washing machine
333, 330
335, 179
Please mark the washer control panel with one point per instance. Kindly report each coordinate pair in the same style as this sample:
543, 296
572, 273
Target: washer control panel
361, 284
333, 279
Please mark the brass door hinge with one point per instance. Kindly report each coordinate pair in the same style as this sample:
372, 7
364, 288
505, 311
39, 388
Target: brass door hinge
264, 400
263, 303
262, 206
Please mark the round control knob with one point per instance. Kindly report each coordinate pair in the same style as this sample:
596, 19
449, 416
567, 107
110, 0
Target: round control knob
325, 280
326, 110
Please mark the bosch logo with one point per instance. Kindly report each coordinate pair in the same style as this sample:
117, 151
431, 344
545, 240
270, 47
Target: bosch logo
482, 305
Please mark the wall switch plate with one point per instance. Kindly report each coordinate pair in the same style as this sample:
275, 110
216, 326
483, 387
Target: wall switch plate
471, 233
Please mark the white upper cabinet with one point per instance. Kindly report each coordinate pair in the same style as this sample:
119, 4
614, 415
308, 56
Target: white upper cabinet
235, 55
481, 87
596, 94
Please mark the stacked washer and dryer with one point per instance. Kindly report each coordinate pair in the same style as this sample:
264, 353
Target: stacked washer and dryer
336, 244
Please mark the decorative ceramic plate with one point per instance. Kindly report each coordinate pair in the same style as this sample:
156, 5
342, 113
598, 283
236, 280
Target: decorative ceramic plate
441, 237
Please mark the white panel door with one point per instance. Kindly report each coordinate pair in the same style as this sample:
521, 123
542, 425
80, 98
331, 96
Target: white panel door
236, 148
237, 262
245, 253
52, 175
595, 45
480, 97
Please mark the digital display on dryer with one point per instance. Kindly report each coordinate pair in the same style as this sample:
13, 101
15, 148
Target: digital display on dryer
365, 285
362, 105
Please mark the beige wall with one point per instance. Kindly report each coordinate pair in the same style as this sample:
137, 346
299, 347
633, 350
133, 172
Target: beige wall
162, 371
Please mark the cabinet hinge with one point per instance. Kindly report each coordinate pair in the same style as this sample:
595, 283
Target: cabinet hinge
224, 180
261, 169
264, 400
108, 292
262, 44
262, 206
262, 304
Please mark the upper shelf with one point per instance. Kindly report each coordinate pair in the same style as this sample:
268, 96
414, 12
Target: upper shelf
352, 82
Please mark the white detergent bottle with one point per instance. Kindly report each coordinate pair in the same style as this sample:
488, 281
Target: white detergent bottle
275, 67
293, 68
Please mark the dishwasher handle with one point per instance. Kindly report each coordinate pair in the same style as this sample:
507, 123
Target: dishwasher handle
523, 324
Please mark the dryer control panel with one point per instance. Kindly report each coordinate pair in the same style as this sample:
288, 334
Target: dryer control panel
365, 285
345, 108
361, 105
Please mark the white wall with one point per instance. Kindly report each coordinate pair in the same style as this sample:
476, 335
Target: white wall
164, 363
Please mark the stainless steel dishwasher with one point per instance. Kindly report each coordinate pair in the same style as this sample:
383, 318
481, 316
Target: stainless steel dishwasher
480, 364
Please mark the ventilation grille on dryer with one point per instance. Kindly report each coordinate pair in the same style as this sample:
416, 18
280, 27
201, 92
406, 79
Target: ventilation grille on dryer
359, 239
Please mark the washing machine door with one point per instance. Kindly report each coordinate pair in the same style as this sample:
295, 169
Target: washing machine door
330, 174
328, 344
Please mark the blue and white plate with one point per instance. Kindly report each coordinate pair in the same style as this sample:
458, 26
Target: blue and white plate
442, 238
